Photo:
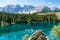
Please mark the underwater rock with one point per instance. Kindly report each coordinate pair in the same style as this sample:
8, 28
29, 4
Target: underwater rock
39, 35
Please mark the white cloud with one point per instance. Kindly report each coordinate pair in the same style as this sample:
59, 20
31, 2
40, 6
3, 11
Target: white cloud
1, 5
11, 1
49, 2
7, 2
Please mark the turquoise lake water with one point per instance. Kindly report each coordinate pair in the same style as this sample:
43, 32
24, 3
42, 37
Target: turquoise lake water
17, 31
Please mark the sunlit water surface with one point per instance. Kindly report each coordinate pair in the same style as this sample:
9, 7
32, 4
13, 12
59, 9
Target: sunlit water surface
19, 30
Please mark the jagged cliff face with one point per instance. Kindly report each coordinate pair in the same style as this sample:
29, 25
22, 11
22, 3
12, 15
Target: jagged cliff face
41, 9
17, 9
39, 35
28, 9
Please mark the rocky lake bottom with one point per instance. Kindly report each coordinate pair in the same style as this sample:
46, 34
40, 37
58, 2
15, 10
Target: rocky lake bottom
24, 30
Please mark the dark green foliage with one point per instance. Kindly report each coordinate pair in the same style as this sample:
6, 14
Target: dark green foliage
18, 18
7, 18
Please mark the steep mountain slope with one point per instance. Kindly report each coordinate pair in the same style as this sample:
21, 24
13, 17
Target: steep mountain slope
28, 9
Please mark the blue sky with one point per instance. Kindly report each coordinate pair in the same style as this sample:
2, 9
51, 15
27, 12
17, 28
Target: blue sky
31, 2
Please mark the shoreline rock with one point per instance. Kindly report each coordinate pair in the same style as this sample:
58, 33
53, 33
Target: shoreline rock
38, 35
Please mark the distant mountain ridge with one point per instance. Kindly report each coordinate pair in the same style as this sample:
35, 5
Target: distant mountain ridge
28, 9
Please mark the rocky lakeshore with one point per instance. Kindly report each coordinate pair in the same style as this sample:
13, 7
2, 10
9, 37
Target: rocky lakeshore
39, 35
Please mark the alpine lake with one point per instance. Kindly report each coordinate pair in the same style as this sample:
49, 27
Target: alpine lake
19, 30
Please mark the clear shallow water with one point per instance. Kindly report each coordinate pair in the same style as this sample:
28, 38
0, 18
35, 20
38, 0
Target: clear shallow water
19, 30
